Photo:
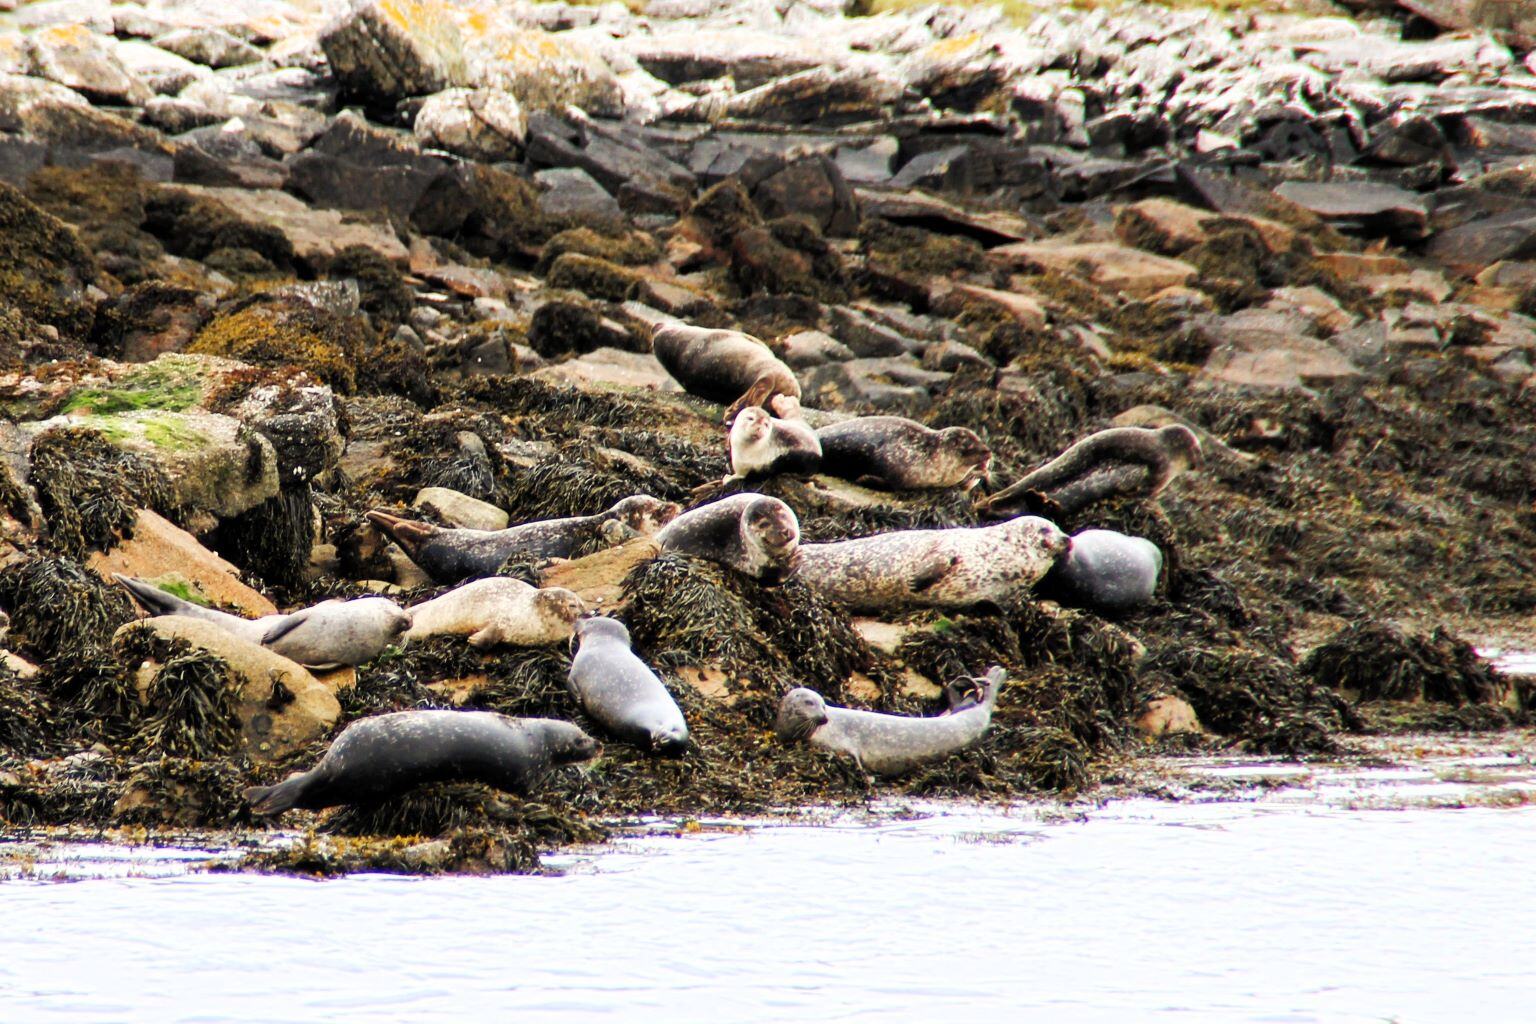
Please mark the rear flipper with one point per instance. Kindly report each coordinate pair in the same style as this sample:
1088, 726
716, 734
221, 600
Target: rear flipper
266, 800
973, 692
152, 598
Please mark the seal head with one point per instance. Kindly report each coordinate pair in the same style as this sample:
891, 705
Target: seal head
801, 712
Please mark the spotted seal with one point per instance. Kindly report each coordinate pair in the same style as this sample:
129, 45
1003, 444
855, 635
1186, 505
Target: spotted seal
385, 755
763, 444
893, 453
728, 367
327, 635
449, 555
498, 611
1105, 571
952, 568
888, 744
750, 532
1120, 461
620, 692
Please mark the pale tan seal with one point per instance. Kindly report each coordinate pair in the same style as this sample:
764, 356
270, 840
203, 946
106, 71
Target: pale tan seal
953, 568
386, 755
729, 367
750, 532
1120, 461
893, 453
888, 744
499, 611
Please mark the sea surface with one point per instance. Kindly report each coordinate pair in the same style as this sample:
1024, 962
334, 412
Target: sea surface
1398, 887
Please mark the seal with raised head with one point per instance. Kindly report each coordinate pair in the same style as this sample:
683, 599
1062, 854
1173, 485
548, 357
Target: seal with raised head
1120, 461
498, 611
893, 453
889, 744
953, 568
449, 555
750, 532
621, 692
729, 367
1104, 571
763, 444
323, 636
386, 755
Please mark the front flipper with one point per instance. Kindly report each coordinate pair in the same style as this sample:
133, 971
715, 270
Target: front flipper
932, 573
761, 391
283, 627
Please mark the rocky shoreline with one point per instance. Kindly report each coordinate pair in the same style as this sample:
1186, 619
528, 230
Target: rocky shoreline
267, 269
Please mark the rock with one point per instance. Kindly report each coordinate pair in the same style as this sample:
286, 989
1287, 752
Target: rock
935, 214
571, 193
950, 298
316, 235
303, 421
608, 367
1362, 206
868, 337
1475, 246
476, 124
750, 57
225, 156
162, 71
561, 327
896, 386
804, 349
460, 509
1261, 348
820, 95
384, 51
75, 58
1516, 21
1167, 716
617, 161
1131, 271
354, 165
282, 707
210, 47
1161, 226
596, 578
545, 71
812, 187
160, 551
950, 356
490, 212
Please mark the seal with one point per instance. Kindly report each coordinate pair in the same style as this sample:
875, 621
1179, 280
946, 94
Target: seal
888, 744
729, 367
1120, 461
892, 453
498, 611
620, 692
953, 568
750, 532
385, 755
449, 555
763, 444
1104, 571
327, 635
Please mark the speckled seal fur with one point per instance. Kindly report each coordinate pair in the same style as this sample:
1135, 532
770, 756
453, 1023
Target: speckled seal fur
621, 692
954, 568
383, 756
449, 555
1120, 461
896, 454
498, 611
887, 744
729, 367
750, 532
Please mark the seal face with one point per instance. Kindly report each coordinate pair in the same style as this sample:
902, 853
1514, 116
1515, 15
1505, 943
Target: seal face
763, 444
450, 555
1105, 571
889, 744
723, 366
750, 532
893, 453
499, 611
327, 635
618, 690
1118, 462
380, 757
953, 568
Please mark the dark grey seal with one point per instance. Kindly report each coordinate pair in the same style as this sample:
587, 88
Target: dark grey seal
449, 555
618, 690
383, 756
889, 744
1120, 461
729, 367
1104, 571
752, 533
893, 453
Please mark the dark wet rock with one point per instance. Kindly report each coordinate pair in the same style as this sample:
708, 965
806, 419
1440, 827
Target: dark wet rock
561, 327
571, 193
623, 162
489, 212
354, 165
811, 187
149, 320
215, 156
1472, 247
1362, 206
787, 256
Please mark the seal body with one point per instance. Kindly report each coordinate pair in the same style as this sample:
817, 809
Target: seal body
1105, 571
750, 532
327, 635
893, 453
729, 367
618, 690
763, 444
449, 555
887, 744
1118, 462
952, 568
380, 757
498, 611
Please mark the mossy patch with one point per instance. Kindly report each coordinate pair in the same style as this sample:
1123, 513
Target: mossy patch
198, 227
169, 384
592, 276
45, 267
626, 248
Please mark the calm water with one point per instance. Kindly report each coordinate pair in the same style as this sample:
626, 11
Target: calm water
1281, 894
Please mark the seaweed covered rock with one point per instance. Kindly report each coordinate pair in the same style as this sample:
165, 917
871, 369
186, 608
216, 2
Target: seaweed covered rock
193, 224
490, 212
59, 609
149, 320
560, 327
382, 291
286, 330
44, 270
88, 488
1379, 661
163, 554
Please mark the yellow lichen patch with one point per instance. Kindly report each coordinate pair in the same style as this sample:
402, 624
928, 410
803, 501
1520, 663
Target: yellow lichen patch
252, 337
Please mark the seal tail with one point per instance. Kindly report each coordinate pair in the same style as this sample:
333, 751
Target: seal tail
268, 800
409, 533
973, 692
152, 598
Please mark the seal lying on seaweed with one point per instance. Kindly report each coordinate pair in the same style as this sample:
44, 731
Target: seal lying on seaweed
1111, 463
